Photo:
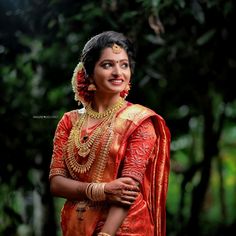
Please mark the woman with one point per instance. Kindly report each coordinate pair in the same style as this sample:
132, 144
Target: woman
111, 158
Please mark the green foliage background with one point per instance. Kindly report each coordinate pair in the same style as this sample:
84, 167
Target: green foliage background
185, 69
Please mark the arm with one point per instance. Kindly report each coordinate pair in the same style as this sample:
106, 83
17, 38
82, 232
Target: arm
123, 198
139, 149
60, 184
120, 191
115, 218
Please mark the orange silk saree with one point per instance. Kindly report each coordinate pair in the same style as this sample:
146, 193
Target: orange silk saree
139, 149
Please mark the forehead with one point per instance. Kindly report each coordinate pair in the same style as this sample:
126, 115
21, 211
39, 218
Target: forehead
108, 54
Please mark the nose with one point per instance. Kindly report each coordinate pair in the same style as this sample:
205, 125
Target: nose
116, 70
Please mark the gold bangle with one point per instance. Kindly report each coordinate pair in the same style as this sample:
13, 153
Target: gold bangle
89, 191
103, 234
95, 191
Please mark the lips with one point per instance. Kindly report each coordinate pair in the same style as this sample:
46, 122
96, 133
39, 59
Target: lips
117, 81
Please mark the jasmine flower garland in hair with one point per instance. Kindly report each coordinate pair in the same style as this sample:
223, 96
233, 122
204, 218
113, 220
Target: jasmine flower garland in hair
80, 85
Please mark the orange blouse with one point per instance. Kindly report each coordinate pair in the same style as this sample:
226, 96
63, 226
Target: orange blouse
140, 150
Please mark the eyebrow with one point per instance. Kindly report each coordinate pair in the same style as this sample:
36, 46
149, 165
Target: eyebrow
111, 60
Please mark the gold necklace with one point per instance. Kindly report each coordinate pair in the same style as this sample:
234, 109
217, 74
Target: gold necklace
103, 155
84, 149
84, 146
90, 146
97, 115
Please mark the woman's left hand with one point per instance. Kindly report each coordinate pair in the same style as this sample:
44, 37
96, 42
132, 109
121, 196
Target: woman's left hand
123, 191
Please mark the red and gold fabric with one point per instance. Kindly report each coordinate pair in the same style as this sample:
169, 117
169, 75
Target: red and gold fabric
140, 149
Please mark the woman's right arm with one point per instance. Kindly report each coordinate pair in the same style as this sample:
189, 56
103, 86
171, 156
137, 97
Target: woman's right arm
61, 186
122, 190
60, 183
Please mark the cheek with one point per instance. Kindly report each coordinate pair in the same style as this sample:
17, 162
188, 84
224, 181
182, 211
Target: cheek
99, 77
128, 75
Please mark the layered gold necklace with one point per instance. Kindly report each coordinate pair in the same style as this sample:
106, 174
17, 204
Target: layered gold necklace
87, 148
99, 115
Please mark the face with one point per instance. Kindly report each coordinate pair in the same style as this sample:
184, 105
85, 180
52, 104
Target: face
111, 72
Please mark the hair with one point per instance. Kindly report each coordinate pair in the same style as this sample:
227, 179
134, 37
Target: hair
93, 49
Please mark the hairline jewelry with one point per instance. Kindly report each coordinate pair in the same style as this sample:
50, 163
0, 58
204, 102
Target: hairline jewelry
116, 48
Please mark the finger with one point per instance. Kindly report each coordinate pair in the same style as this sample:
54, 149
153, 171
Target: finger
130, 193
125, 202
128, 180
114, 199
132, 188
130, 199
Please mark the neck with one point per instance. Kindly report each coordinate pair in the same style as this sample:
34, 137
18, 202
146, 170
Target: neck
101, 103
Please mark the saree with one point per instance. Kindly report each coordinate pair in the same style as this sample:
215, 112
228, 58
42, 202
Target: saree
140, 149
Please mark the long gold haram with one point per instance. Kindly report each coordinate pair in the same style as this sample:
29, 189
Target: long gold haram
104, 152
84, 147
90, 146
90, 149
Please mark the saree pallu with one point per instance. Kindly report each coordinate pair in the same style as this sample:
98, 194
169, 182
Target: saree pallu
140, 149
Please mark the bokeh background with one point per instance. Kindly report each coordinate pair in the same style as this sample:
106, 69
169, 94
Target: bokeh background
185, 71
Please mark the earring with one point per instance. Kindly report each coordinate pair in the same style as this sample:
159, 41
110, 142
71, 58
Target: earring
92, 87
125, 92
127, 88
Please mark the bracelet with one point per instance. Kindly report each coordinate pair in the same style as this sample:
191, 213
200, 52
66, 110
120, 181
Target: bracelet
95, 191
103, 234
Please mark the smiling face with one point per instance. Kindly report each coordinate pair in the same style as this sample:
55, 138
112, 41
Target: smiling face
112, 72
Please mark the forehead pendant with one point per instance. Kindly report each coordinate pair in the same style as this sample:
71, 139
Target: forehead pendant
116, 48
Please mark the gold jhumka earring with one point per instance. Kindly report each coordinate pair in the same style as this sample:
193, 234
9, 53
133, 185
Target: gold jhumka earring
92, 87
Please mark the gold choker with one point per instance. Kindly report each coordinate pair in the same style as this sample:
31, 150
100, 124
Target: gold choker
111, 110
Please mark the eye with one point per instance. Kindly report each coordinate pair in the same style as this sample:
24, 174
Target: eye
125, 65
106, 65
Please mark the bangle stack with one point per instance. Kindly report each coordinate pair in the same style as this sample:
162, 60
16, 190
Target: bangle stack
95, 191
103, 234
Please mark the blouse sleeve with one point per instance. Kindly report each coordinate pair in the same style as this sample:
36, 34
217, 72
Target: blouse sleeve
58, 166
139, 149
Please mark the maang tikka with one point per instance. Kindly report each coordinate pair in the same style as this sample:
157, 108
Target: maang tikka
116, 48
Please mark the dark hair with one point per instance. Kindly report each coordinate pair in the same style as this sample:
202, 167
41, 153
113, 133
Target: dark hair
94, 47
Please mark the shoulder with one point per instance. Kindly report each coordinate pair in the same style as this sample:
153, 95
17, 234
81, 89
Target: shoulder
74, 113
70, 117
137, 113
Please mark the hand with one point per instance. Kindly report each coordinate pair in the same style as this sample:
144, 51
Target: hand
123, 190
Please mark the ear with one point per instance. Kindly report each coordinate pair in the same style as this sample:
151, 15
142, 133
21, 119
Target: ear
91, 79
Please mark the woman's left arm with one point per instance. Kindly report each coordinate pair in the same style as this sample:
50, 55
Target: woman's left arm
114, 219
139, 149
